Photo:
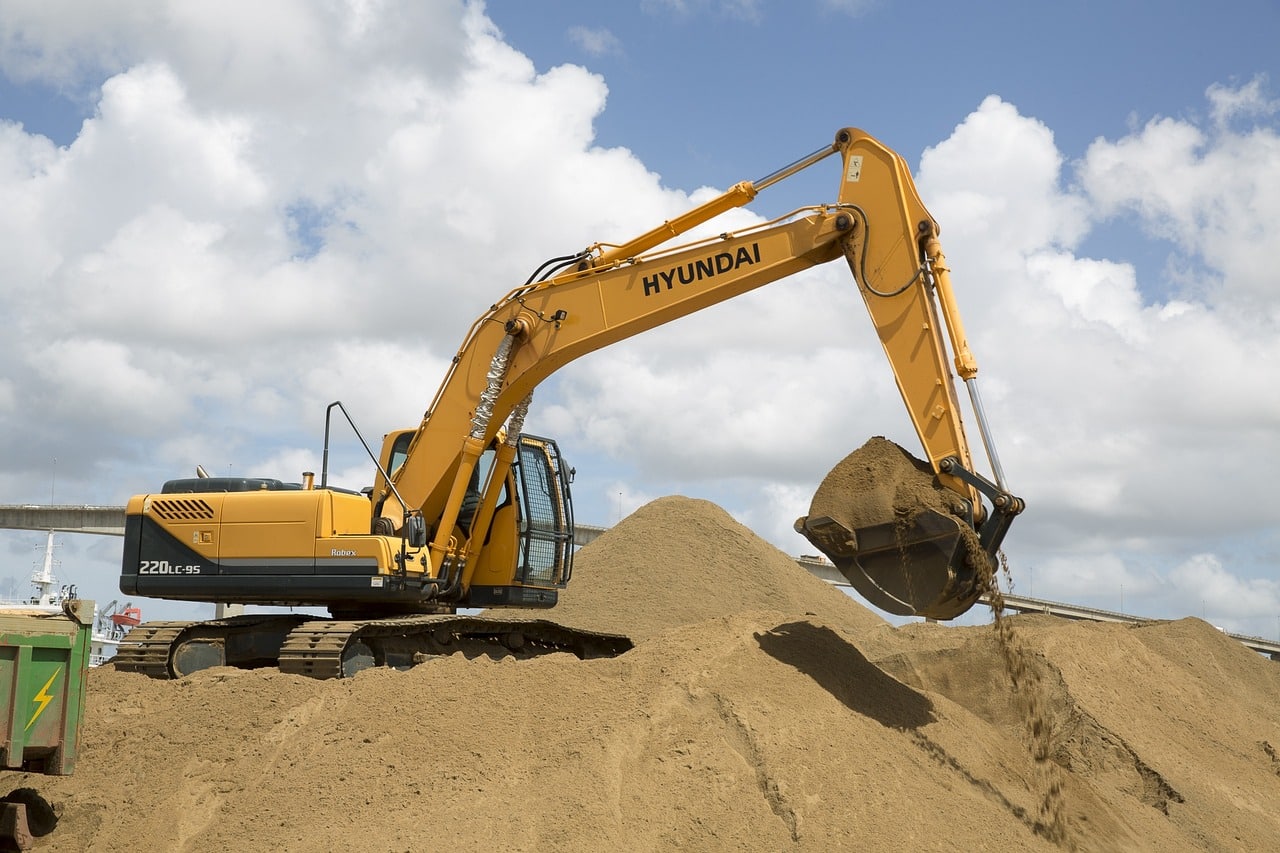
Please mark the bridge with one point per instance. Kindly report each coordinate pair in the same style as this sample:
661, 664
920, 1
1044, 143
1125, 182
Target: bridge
103, 520
109, 521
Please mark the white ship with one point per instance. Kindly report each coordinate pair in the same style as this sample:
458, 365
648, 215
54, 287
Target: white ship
110, 623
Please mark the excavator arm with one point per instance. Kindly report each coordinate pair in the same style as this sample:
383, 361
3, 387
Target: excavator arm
890, 241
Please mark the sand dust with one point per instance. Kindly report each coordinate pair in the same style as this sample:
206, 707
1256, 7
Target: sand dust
760, 710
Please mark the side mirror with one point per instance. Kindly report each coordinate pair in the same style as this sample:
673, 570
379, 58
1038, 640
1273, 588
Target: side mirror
415, 530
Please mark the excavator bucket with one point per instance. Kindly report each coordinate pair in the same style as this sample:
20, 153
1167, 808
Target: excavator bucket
917, 568
899, 537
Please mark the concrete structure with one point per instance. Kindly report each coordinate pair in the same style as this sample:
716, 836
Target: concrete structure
104, 520
585, 533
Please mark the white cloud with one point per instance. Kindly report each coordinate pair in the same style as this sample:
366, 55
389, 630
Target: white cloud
1092, 293
998, 176
1228, 103
596, 41
108, 380
1212, 193
1203, 578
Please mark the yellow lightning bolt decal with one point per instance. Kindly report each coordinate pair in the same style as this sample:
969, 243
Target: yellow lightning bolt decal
43, 698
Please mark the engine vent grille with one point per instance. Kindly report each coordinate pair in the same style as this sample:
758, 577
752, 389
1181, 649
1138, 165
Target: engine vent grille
181, 509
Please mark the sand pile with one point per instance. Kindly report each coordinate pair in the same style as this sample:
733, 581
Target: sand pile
739, 722
678, 561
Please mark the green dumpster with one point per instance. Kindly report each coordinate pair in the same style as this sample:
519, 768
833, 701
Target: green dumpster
44, 660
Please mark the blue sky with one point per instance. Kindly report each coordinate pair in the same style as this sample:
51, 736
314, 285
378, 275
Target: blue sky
693, 92
220, 222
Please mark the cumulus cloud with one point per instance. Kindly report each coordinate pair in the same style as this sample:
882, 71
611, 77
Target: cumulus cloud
1228, 599
211, 261
1211, 192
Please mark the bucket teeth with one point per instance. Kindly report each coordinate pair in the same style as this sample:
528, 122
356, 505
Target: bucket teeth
830, 536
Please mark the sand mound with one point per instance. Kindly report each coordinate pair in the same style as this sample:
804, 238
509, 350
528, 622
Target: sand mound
738, 722
1172, 716
677, 561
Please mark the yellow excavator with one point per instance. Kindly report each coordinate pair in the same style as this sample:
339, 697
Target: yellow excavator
466, 512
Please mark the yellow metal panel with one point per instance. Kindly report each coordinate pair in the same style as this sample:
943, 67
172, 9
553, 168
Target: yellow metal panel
347, 514
270, 524
498, 559
192, 519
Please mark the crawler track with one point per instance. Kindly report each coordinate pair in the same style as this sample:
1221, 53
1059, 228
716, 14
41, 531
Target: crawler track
146, 648
328, 648
336, 649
